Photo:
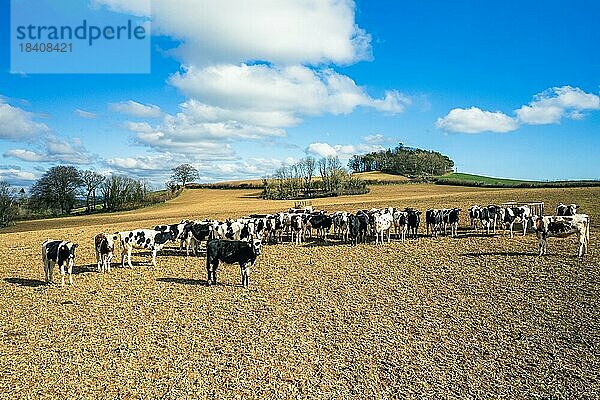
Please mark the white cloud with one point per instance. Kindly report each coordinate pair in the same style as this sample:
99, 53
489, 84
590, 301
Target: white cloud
135, 109
474, 120
17, 124
287, 92
343, 151
548, 107
16, 176
553, 104
85, 114
235, 31
55, 149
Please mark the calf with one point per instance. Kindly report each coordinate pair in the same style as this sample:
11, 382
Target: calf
322, 223
489, 216
359, 225
59, 252
433, 220
563, 226
566, 210
104, 244
340, 224
196, 233
230, 252
175, 231
142, 239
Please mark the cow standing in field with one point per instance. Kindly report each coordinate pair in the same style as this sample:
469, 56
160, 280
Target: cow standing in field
564, 210
400, 224
231, 252
196, 232
322, 223
148, 239
383, 224
489, 216
297, 228
104, 244
59, 252
175, 231
453, 220
433, 220
340, 224
510, 215
563, 226
475, 216
359, 225
414, 220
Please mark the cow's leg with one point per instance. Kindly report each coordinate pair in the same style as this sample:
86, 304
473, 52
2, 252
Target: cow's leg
525, 223
70, 273
244, 273
511, 229
99, 260
582, 245
129, 256
154, 250
46, 270
62, 274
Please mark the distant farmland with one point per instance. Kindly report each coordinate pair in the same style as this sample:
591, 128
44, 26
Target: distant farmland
462, 179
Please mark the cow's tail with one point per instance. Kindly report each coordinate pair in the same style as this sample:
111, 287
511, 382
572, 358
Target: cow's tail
587, 232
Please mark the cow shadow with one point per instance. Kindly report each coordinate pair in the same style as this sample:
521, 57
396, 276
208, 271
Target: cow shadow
321, 243
500, 253
25, 282
183, 281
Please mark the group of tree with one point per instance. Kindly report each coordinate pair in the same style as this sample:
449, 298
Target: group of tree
403, 160
300, 180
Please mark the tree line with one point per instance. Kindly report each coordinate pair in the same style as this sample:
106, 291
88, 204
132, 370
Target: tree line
403, 160
309, 178
63, 188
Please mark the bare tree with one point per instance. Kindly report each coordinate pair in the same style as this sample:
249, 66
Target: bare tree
184, 173
8, 205
91, 181
56, 189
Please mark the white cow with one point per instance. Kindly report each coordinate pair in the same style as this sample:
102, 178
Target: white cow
563, 226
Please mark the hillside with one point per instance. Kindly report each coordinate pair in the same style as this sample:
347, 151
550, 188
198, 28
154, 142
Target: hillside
462, 179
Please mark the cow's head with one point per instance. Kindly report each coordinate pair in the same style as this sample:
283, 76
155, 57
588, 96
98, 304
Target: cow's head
256, 245
66, 253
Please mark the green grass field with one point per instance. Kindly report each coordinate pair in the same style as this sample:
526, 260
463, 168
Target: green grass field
462, 179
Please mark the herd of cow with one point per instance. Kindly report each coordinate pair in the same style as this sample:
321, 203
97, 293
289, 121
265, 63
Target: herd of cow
239, 241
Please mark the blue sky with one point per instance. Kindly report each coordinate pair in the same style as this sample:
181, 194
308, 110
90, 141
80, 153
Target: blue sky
506, 89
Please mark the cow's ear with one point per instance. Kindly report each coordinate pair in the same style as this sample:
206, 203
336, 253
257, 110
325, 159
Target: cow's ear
75, 245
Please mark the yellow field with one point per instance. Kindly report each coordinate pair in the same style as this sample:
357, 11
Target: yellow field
472, 317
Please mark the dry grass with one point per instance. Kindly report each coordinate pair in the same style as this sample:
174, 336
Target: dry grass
474, 317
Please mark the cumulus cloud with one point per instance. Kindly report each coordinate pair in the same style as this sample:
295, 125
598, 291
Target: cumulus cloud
553, 104
135, 109
54, 149
475, 120
16, 176
547, 107
343, 151
17, 124
234, 31
85, 114
286, 92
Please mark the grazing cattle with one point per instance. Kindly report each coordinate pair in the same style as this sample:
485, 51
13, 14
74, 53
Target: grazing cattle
433, 220
297, 229
400, 224
510, 215
475, 216
383, 224
230, 252
229, 229
489, 216
414, 219
453, 220
566, 209
562, 226
59, 252
148, 239
104, 244
322, 223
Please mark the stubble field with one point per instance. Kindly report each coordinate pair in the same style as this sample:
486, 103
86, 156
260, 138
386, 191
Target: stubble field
470, 317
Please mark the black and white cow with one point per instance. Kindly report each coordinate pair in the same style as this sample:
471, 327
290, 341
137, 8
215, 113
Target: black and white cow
340, 224
562, 226
230, 252
175, 231
475, 216
104, 244
433, 221
296, 228
510, 215
400, 224
414, 219
198, 232
453, 221
359, 225
148, 239
61, 252
383, 225
566, 209
489, 216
